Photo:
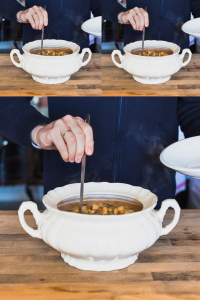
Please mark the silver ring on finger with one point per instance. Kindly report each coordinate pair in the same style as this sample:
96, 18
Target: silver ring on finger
66, 132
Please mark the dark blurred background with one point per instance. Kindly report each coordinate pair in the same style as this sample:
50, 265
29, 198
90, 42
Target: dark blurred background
21, 169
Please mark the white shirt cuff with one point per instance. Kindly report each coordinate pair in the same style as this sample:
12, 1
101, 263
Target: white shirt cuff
36, 146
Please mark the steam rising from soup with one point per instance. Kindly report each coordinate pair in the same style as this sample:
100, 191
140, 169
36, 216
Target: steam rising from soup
152, 52
103, 207
52, 51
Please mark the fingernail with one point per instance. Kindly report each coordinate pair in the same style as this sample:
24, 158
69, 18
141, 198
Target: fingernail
67, 160
89, 150
72, 160
78, 160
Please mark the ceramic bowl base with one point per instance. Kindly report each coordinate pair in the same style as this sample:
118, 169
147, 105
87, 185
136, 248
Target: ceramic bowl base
151, 80
101, 265
46, 80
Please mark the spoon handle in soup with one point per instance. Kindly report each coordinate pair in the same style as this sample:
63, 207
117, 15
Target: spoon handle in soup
42, 38
83, 164
143, 35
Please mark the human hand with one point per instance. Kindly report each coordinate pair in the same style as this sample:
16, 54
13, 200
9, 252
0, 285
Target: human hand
36, 16
137, 17
71, 136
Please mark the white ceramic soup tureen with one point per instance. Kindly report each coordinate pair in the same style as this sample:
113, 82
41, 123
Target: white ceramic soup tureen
50, 69
97, 242
149, 69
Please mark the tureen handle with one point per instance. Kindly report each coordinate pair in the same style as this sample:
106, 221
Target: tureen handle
183, 54
84, 63
16, 51
161, 213
120, 57
29, 205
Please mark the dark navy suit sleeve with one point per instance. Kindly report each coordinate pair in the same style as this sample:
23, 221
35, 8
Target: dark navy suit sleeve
195, 8
95, 6
189, 116
10, 8
18, 118
111, 10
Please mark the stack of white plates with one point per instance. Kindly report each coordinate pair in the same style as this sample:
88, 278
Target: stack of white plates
192, 27
183, 157
93, 26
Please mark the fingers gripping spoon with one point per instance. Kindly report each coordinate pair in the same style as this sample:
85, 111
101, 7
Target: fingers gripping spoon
83, 164
42, 38
143, 35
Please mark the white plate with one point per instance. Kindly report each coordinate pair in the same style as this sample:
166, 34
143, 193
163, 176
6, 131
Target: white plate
183, 156
192, 27
93, 26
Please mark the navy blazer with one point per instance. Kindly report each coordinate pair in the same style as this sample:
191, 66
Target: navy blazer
65, 18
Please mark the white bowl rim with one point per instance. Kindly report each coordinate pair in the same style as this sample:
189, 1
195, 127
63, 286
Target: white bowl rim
64, 213
27, 47
178, 167
174, 47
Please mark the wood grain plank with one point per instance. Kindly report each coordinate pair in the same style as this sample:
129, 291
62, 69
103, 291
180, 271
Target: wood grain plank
31, 269
77, 277
165, 267
176, 276
111, 291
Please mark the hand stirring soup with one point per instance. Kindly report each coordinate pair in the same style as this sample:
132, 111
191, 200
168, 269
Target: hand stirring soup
52, 51
104, 207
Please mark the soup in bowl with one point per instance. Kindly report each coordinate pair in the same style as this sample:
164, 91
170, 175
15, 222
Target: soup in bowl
160, 62
104, 206
152, 52
57, 51
60, 59
99, 242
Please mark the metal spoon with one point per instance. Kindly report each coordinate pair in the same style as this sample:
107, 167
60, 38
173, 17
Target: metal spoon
83, 164
42, 38
143, 35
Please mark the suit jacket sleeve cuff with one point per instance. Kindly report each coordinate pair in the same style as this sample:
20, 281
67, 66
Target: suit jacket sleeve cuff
114, 10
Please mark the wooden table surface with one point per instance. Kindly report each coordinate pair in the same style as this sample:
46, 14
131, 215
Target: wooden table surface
169, 270
17, 82
117, 82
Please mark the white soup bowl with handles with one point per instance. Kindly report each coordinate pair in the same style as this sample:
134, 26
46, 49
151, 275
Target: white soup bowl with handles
151, 69
99, 242
51, 69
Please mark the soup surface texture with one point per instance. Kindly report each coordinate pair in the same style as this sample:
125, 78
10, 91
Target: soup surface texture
103, 207
52, 51
153, 52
